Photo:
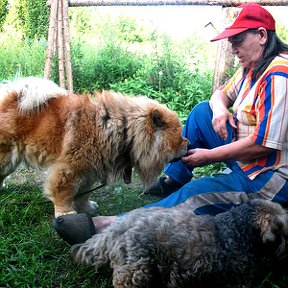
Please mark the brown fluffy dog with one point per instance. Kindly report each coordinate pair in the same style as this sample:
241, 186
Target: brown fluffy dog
81, 140
173, 248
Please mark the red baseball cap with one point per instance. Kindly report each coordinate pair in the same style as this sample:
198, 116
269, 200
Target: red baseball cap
248, 16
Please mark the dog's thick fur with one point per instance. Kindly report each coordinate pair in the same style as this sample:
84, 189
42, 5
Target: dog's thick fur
178, 249
83, 139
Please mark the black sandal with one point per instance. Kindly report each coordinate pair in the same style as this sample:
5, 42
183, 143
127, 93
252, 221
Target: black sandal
74, 228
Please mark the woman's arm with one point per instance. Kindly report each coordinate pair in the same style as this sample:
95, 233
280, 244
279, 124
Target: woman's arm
241, 150
219, 104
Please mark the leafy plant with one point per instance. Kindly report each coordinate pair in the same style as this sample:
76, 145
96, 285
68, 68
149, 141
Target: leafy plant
3, 12
35, 17
19, 58
100, 68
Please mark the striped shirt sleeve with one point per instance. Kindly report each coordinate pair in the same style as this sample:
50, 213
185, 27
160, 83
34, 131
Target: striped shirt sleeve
272, 116
232, 86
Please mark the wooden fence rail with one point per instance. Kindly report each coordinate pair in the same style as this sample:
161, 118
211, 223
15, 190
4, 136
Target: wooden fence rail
170, 2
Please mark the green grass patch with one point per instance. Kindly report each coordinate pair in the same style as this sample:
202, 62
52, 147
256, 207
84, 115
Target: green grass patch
31, 252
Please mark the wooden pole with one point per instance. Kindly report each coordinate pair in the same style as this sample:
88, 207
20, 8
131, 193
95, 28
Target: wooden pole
67, 46
224, 58
60, 46
51, 37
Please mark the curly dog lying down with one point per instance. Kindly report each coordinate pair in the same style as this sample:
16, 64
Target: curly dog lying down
174, 248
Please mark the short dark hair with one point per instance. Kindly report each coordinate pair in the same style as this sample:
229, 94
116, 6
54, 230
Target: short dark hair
272, 48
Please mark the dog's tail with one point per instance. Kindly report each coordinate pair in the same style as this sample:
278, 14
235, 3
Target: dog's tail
94, 252
32, 92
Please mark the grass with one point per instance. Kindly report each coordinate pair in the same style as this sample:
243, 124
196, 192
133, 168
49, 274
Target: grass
31, 253
33, 256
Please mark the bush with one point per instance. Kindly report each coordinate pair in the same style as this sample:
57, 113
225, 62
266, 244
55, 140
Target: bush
34, 15
20, 57
3, 12
98, 68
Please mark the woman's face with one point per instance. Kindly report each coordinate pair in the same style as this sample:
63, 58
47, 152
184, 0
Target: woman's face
248, 46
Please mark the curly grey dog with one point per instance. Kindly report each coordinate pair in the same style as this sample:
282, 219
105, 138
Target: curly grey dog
172, 247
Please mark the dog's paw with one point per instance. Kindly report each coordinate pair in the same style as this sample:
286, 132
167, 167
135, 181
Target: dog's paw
3, 184
85, 206
93, 205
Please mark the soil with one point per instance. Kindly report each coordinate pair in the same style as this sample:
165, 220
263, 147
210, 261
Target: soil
25, 175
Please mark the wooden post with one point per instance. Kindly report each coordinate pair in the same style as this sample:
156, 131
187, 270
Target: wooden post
224, 58
51, 37
59, 41
60, 46
67, 46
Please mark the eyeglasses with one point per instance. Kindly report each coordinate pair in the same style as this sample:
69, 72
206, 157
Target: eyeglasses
237, 40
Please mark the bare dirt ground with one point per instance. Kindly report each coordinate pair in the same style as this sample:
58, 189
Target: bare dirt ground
24, 175
30, 176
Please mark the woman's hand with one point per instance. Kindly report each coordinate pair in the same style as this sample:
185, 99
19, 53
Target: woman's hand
221, 116
241, 150
197, 157
219, 104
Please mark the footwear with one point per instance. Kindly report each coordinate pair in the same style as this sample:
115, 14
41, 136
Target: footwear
74, 228
163, 187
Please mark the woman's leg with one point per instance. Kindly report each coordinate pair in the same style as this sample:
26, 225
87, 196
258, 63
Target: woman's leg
209, 195
212, 195
199, 131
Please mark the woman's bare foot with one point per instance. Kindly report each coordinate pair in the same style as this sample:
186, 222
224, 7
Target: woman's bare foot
102, 222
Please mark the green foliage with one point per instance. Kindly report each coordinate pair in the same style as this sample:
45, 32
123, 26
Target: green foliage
3, 12
282, 33
37, 21
20, 57
80, 19
170, 78
98, 69
129, 30
31, 17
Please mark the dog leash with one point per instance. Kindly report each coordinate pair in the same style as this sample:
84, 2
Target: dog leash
89, 191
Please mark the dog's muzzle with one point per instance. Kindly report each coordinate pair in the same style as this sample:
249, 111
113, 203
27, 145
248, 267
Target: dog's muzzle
189, 146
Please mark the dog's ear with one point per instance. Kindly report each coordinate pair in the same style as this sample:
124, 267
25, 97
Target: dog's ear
275, 234
82, 254
157, 119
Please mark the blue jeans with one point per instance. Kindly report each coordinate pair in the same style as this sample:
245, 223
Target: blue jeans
212, 195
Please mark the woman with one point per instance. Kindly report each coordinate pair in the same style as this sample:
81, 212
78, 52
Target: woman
252, 140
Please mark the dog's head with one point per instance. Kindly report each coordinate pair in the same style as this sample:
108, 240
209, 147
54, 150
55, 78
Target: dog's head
157, 140
271, 220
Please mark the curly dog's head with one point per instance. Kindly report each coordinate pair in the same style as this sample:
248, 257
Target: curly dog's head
272, 221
